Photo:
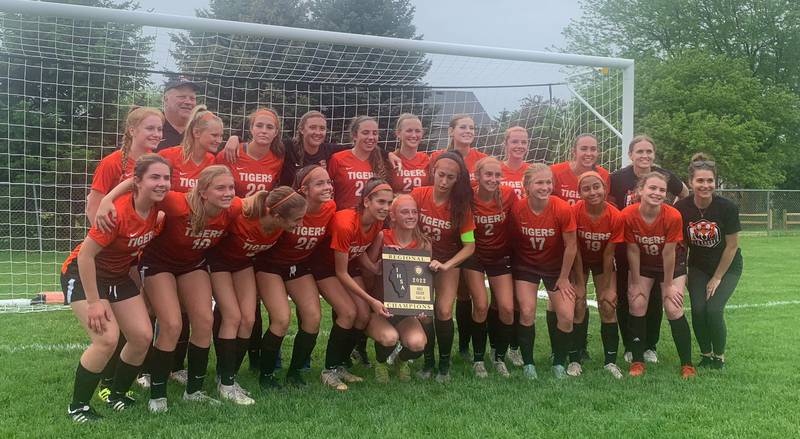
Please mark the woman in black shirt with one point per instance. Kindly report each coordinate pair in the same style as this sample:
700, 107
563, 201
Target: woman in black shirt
711, 229
642, 152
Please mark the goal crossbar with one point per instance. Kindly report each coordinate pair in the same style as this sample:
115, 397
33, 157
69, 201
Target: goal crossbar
320, 36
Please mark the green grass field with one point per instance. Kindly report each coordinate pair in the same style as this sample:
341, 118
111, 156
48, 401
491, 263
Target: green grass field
756, 396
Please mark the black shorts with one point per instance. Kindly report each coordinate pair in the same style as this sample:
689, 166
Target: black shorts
218, 263
528, 275
658, 274
286, 272
149, 266
501, 267
324, 271
597, 267
114, 291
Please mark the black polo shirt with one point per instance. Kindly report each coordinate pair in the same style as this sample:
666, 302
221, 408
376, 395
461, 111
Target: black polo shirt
171, 137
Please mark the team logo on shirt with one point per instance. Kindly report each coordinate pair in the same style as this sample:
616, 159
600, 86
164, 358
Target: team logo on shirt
704, 233
513, 184
252, 248
490, 219
411, 173
569, 194
253, 177
186, 181
631, 197
358, 250
139, 241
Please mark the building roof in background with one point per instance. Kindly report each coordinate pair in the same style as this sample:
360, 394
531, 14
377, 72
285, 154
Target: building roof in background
451, 102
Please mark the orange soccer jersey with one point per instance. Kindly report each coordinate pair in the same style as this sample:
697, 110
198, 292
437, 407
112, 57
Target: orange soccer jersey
298, 245
109, 172
251, 175
185, 172
414, 173
122, 245
565, 182
244, 239
177, 244
513, 178
470, 160
437, 224
537, 240
349, 175
389, 240
346, 234
492, 241
651, 238
595, 234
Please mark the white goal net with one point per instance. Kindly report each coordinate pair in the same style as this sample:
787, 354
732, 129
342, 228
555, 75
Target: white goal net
68, 76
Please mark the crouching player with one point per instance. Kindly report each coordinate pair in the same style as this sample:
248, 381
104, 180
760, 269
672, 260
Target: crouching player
105, 299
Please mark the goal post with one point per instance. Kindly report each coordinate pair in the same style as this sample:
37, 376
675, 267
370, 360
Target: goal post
68, 75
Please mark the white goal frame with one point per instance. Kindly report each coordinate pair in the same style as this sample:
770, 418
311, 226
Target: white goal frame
269, 31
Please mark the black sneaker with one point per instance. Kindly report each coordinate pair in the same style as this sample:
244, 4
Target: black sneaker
121, 403
718, 363
83, 414
295, 378
706, 361
268, 383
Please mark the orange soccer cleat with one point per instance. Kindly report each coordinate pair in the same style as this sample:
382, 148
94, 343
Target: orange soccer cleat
688, 371
637, 369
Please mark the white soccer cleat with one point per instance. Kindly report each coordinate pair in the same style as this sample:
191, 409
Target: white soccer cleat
480, 369
143, 380
346, 376
200, 396
574, 369
515, 356
180, 376
331, 379
235, 395
501, 369
650, 356
628, 357
158, 405
614, 370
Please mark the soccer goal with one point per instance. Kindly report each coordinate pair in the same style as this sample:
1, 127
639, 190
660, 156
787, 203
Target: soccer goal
68, 75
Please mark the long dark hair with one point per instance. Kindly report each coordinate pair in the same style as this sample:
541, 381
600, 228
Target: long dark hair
375, 159
297, 140
461, 192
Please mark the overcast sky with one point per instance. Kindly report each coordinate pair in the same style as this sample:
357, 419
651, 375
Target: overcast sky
520, 24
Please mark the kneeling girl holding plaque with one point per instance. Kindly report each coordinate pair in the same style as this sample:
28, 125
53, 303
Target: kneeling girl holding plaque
406, 283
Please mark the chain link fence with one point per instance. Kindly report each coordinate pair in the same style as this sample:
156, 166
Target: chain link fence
766, 211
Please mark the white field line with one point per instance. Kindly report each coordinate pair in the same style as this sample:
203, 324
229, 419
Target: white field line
769, 304
43, 347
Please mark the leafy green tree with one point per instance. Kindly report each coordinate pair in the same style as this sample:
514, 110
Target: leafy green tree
295, 77
701, 102
739, 81
388, 18
763, 33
